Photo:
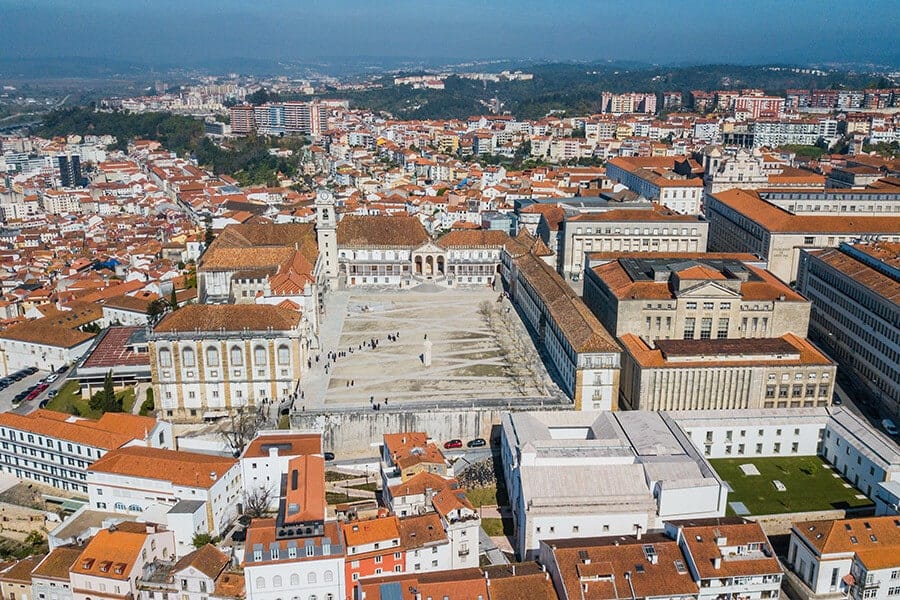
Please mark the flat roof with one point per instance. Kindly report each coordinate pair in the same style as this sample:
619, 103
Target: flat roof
869, 442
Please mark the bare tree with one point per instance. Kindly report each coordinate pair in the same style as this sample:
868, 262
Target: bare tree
256, 503
242, 428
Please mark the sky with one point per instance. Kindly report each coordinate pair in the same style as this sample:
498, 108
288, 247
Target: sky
192, 32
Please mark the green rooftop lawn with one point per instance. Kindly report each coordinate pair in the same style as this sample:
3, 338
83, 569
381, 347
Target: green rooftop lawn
810, 484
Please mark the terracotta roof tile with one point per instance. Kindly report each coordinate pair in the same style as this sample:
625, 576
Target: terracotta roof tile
229, 317
189, 469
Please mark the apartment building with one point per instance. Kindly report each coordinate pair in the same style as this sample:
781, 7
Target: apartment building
265, 460
198, 575
653, 229
776, 372
661, 296
746, 221
859, 558
729, 557
206, 360
15, 579
373, 548
298, 549
113, 561
406, 455
674, 182
137, 480
855, 294
56, 449
50, 578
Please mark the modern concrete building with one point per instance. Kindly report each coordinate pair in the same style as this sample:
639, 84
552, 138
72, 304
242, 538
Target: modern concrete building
207, 361
855, 292
861, 453
662, 296
781, 372
265, 460
588, 474
754, 222
656, 229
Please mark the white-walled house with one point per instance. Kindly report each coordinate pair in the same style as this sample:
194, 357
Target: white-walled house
265, 459
113, 561
135, 479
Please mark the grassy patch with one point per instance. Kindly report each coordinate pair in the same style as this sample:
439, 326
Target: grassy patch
497, 527
284, 422
69, 400
337, 498
336, 476
483, 496
810, 482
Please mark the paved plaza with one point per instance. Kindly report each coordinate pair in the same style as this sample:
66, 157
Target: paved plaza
479, 350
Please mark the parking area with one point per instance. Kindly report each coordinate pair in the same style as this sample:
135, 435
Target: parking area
16, 388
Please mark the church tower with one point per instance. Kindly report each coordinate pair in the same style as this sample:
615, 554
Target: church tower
326, 234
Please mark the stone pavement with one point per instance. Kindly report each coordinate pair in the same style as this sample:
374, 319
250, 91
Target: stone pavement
478, 351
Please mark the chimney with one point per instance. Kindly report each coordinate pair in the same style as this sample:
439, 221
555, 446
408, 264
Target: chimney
213, 475
717, 562
151, 528
638, 529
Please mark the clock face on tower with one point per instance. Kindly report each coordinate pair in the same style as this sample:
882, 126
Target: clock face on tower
324, 197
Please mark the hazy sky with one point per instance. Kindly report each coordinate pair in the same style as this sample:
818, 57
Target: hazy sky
663, 31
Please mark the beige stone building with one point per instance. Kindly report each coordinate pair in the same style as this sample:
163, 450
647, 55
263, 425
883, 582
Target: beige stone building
691, 296
208, 360
748, 221
656, 229
783, 372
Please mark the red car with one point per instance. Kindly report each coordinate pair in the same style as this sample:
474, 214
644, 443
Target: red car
453, 444
32, 394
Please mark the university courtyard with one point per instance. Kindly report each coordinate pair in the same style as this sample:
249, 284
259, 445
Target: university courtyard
480, 351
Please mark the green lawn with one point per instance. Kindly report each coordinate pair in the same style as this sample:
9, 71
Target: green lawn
497, 527
337, 476
810, 484
69, 400
488, 496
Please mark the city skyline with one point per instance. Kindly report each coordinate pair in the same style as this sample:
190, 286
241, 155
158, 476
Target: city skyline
649, 31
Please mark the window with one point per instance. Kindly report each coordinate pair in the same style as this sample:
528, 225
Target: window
260, 583
722, 331
165, 357
691, 305
276, 581
295, 579
237, 357
284, 355
689, 324
705, 328
708, 305
311, 577
212, 357
259, 355
187, 357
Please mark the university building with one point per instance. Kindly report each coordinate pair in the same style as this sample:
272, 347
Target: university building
209, 360
855, 292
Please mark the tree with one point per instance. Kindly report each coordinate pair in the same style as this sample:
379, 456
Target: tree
256, 503
208, 235
156, 309
173, 299
105, 400
202, 539
242, 428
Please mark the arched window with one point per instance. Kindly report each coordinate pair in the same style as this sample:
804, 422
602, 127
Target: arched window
135, 508
284, 355
295, 580
329, 596
165, 357
237, 356
260, 583
313, 597
329, 576
311, 578
187, 357
276, 581
259, 355
212, 356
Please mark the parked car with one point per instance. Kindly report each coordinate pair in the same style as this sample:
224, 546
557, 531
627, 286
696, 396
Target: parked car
836, 401
52, 377
52, 393
453, 444
63, 369
328, 455
32, 395
239, 535
889, 426
477, 443
31, 370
